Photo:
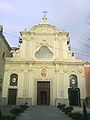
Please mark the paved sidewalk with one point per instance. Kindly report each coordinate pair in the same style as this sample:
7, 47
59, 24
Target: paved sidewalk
80, 109
42, 113
6, 109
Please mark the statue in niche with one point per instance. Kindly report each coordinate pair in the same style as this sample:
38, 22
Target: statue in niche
73, 81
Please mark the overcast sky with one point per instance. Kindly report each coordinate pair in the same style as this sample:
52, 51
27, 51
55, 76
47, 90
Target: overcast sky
66, 15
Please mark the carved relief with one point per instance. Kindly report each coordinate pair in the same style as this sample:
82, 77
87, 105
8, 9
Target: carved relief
56, 70
16, 53
43, 72
44, 29
65, 70
21, 70
46, 43
80, 70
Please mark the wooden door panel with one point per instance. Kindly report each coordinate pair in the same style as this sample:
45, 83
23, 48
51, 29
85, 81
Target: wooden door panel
43, 93
12, 94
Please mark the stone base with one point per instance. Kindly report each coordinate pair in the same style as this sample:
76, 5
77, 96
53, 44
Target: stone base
87, 100
19, 101
22, 101
66, 101
4, 101
62, 101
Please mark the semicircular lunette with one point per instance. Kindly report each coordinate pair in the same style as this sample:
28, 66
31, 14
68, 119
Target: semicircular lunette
44, 52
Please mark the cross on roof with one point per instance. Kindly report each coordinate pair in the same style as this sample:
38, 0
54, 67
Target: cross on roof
45, 12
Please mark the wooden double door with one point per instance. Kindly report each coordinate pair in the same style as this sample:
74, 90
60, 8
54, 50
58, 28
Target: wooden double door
43, 93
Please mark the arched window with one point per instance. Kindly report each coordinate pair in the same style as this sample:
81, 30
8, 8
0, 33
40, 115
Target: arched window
73, 81
44, 52
13, 79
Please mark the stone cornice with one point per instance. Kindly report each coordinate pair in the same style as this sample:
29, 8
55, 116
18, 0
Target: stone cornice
35, 33
24, 61
68, 63
87, 63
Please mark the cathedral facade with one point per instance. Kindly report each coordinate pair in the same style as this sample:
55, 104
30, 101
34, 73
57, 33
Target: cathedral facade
43, 70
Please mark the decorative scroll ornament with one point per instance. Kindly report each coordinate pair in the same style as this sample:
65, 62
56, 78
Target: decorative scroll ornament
80, 71
65, 70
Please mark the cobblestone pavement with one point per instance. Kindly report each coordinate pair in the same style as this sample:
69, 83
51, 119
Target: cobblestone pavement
42, 113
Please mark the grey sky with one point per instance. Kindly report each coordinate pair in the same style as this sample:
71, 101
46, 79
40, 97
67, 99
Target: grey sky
67, 15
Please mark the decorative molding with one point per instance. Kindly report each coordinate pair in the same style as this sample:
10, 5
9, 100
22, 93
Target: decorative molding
72, 71
21, 70
44, 43
16, 53
67, 63
30, 70
56, 70
80, 70
65, 70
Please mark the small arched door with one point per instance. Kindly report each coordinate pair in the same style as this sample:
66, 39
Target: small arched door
12, 93
74, 96
74, 91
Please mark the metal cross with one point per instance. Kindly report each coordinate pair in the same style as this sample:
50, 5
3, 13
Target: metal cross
45, 12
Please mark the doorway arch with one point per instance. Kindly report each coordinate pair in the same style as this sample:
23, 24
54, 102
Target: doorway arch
74, 91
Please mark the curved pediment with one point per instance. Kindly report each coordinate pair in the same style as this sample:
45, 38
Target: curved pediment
44, 28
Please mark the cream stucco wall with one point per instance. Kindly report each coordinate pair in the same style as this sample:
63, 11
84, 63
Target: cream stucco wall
57, 74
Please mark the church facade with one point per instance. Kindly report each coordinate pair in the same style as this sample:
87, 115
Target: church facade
43, 70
